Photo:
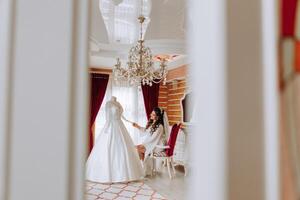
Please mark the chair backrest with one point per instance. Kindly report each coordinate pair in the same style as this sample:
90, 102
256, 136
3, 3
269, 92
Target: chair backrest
172, 139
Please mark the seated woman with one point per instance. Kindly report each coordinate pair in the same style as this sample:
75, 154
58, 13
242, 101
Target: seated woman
155, 135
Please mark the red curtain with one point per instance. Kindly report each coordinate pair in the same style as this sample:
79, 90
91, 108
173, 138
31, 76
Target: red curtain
172, 139
150, 94
288, 17
297, 56
98, 88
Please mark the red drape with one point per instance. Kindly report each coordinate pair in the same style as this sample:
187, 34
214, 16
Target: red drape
297, 56
150, 94
288, 17
172, 139
98, 88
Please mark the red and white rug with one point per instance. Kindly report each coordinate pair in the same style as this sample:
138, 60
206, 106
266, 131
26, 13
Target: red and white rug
121, 191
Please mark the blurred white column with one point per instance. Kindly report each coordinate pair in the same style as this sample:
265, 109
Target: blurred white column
270, 35
207, 40
5, 50
43, 99
235, 140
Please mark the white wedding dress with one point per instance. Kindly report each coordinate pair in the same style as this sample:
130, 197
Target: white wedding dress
114, 157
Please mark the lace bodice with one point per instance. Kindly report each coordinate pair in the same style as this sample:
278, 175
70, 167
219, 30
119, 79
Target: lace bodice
113, 110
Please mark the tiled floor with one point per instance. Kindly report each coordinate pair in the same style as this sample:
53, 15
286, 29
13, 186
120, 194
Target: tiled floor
157, 187
120, 191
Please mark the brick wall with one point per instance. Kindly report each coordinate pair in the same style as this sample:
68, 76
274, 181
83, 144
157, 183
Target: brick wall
170, 95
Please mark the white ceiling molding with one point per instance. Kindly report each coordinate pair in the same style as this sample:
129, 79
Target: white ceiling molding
106, 62
93, 44
104, 55
162, 46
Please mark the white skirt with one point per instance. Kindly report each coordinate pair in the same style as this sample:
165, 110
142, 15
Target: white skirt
114, 157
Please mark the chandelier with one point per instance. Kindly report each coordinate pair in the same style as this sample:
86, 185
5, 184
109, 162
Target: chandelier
140, 67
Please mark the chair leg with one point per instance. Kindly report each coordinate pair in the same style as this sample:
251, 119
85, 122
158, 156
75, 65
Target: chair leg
173, 167
153, 167
168, 166
185, 170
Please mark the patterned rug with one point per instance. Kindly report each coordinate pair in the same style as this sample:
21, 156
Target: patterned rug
121, 191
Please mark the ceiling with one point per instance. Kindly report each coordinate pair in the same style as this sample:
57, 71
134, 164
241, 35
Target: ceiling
164, 35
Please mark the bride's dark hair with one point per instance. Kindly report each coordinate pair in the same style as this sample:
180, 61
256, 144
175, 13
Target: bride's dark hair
160, 121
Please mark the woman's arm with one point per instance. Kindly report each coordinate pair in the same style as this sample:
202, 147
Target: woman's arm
133, 124
154, 139
122, 116
138, 127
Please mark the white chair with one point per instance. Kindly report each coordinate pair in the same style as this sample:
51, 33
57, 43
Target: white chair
166, 153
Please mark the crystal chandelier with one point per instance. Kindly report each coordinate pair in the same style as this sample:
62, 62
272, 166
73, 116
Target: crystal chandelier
140, 66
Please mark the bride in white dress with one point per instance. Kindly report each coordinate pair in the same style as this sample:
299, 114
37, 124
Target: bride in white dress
114, 157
